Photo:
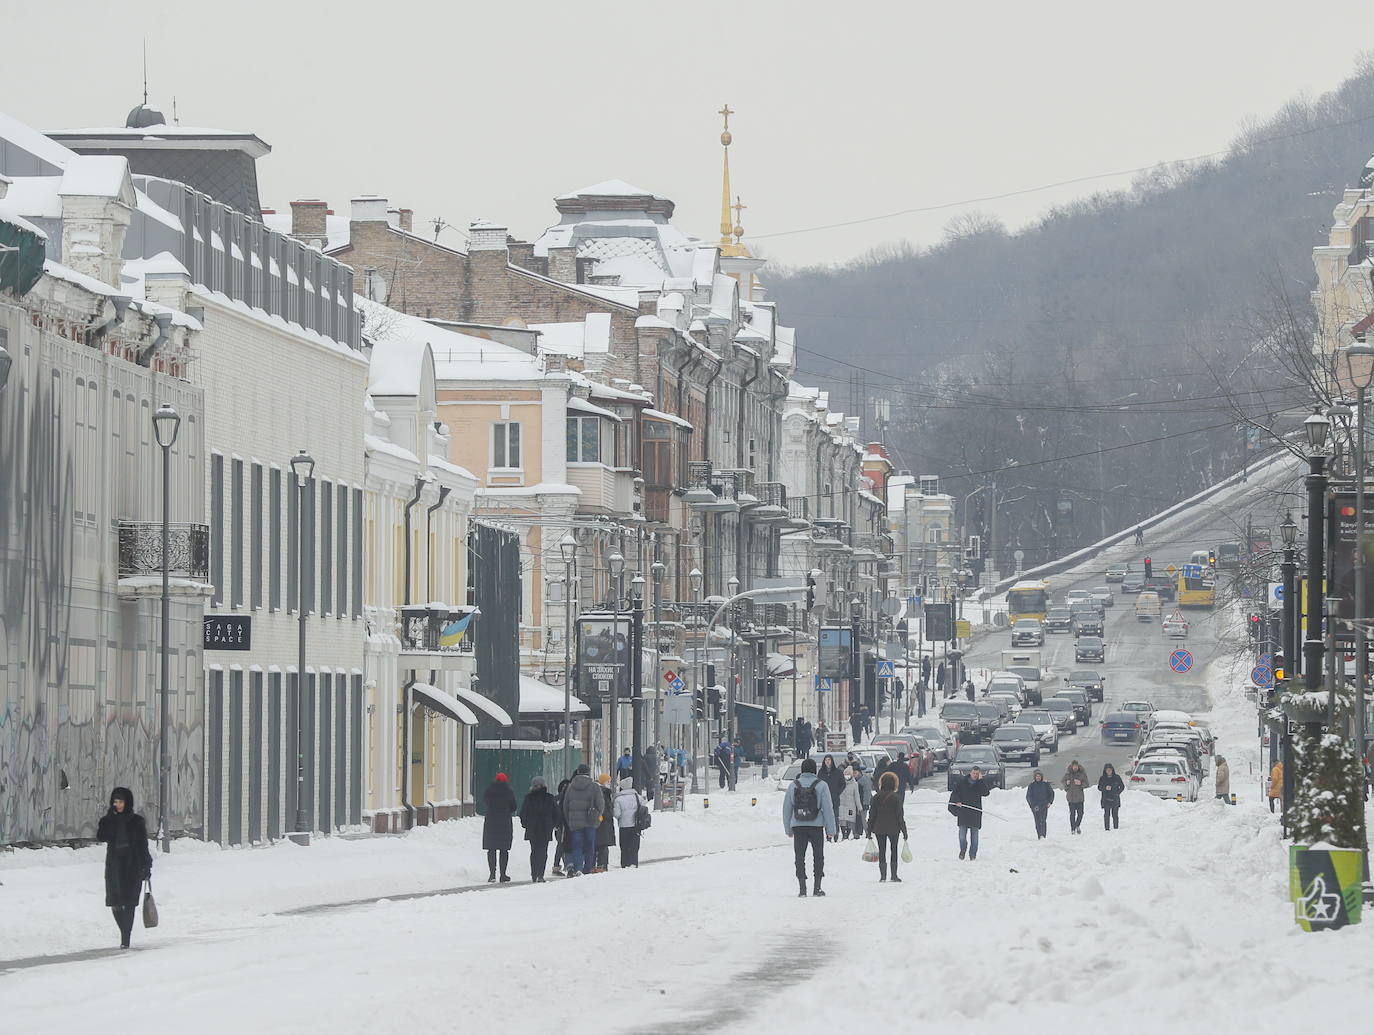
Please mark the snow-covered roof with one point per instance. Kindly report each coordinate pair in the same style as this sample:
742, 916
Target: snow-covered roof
101, 176
592, 334
336, 228
610, 189
13, 217
457, 356
539, 698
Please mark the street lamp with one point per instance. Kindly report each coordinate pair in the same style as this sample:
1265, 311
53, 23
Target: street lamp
303, 467
1316, 428
695, 578
166, 424
731, 693
658, 570
615, 563
567, 548
637, 669
1281, 747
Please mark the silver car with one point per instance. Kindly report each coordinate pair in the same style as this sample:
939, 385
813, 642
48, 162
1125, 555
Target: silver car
939, 738
1017, 742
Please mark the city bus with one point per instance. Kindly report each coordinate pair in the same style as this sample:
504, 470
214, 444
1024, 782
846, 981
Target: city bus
1197, 590
1029, 598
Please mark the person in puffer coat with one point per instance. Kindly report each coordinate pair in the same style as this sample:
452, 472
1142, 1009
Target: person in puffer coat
1040, 796
1110, 786
886, 819
851, 810
539, 816
626, 808
583, 807
498, 830
1075, 783
128, 861
1223, 778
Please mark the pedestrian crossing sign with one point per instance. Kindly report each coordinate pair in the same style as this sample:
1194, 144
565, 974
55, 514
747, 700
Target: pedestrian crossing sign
885, 670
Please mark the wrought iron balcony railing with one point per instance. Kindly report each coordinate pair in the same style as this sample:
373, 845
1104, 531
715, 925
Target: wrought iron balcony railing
140, 550
438, 630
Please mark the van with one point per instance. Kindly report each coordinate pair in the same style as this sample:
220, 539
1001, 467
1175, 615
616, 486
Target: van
1147, 607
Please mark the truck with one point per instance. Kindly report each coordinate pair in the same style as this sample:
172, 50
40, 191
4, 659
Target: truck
1029, 666
1228, 555
1147, 607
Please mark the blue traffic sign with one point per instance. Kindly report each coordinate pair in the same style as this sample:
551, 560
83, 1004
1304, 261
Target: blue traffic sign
1262, 676
822, 684
1266, 659
885, 670
1181, 660
676, 685
1192, 571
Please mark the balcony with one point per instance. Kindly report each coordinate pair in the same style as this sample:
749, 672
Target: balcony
832, 534
798, 512
709, 490
140, 559
438, 636
772, 508
869, 547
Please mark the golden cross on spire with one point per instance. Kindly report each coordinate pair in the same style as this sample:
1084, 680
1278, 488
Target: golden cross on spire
739, 206
727, 112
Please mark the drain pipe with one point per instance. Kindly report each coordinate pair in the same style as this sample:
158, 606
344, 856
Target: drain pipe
410, 682
444, 490
121, 306
164, 331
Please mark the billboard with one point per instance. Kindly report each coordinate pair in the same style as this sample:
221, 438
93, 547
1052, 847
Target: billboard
939, 623
603, 656
1341, 559
837, 652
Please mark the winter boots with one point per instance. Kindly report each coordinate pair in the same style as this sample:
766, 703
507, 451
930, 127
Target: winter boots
816, 889
801, 884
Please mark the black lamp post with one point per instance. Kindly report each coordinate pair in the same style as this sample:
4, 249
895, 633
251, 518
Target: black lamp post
657, 571
616, 564
303, 467
637, 670
1317, 427
695, 578
1280, 743
567, 549
166, 424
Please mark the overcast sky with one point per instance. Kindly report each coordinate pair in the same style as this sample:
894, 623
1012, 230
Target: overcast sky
845, 110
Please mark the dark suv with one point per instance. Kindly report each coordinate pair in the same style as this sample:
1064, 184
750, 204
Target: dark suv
1087, 679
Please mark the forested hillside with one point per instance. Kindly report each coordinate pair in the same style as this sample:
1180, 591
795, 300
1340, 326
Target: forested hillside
1129, 321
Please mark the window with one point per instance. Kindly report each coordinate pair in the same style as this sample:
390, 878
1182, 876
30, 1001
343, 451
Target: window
357, 554
656, 453
505, 444
217, 526
255, 537
584, 440
341, 546
934, 535
236, 532
326, 547
274, 540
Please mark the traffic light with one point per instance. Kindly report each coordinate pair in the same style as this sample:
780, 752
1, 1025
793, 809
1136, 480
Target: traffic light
699, 704
1212, 558
713, 701
810, 591
1254, 624
1147, 567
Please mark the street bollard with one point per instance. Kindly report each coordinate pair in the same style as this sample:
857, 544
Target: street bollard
753, 801
705, 803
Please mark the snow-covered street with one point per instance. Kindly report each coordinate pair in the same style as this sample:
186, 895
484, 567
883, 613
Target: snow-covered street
1180, 917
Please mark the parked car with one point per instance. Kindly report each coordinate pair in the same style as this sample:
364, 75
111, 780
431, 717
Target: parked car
1177, 750
1090, 648
1082, 707
1058, 620
901, 743
942, 742
1182, 745
1045, 726
1121, 728
1116, 573
1017, 742
965, 722
1088, 679
1171, 715
1027, 632
1164, 778
1134, 582
985, 757
1103, 595
1064, 713
868, 757
1142, 710
925, 753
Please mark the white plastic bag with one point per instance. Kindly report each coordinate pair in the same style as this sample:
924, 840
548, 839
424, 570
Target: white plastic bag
906, 851
870, 850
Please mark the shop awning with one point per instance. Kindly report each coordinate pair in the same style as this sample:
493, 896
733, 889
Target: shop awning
779, 664
444, 703
483, 704
539, 698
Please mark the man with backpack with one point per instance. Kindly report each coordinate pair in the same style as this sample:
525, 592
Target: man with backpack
808, 815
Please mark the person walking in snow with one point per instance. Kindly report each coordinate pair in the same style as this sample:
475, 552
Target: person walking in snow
605, 831
851, 811
498, 830
1276, 786
1139, 535
128, 861
625, 765
856, 726
1075, 783
802, 738
626, 809
539, 817
583, 805
1040, 796
966, 806
969, 690
834, 779
725, 761
560, 832
887, 818
1109, 785
901, 769
1223, 778
808, 818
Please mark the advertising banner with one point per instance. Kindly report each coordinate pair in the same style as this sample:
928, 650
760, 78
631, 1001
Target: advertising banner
837, 652
603, 656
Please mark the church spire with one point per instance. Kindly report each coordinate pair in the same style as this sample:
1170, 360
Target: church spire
726, 223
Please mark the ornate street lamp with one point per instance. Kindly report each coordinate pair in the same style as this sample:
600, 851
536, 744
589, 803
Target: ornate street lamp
567, 549
166, 424
303, 467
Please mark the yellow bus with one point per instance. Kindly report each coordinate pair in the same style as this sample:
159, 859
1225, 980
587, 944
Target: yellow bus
1029, 598
1200, 591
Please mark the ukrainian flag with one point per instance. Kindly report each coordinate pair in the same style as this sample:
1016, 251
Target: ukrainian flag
452, 633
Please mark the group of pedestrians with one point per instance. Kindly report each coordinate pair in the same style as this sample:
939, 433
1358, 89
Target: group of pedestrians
585, 819
1076, 781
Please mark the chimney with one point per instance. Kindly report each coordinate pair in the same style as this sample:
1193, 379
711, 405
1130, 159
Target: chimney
407, 218
368, 209
486, 237
393, 218
308, 222
563, 265
522, 255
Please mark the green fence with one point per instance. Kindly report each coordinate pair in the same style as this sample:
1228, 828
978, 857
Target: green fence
521, 761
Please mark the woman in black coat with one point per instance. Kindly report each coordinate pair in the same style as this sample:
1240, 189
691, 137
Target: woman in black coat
605, 833
498, 830
833, 776
539, 816
128, 862
1110, 787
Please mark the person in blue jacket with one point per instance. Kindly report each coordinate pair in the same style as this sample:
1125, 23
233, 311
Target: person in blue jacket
808, 815
1040, 796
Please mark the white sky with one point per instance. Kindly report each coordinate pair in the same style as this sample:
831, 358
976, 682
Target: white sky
463, 110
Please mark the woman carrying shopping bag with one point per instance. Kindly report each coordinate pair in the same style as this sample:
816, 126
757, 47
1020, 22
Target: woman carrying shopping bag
887, 818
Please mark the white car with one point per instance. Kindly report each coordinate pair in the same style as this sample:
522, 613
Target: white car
1142, 710
1116, 574
1164, 778
1045, 727
1007, 682
1011, 697
1169, 715
1103, 595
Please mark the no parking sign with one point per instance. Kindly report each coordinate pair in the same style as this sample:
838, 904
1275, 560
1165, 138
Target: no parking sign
1181, 660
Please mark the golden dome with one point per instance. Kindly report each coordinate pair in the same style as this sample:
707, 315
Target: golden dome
725, 138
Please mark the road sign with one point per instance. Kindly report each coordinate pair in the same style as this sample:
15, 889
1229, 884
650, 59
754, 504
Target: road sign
1171, 570
1262, 676
1181, 660
822, 684
885, 670
669, 676
677, 686
1191, 571
1275, 594
963, 629
890, 606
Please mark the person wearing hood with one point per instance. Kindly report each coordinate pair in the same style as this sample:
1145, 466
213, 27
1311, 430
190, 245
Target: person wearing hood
128, 861
1110, 786
833, 778
886, 819
1040, 796
625, 765
901, 769
626, 810
560, 832
583, 806
1223, 777
966, 806
605, 831
539, 817
851, 810
1075, 784
1276, 785
808, 816
498, 830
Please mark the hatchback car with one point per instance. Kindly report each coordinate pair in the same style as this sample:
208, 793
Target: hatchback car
1044, 725
1134, 582
1164, 778
1058, 620
1010, 698
1082, 707
1065, 716
1121, 728
937, 735
1007, 682
1027, 633
1087, 679
1090, 648
985, 757
1017, 742
1103, 595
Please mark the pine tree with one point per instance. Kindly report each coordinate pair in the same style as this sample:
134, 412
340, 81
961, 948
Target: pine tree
1327, 806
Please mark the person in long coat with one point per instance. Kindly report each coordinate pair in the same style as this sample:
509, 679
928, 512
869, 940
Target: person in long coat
539, 815
833, 778
560, 833
1110, 786
128, 861
605, 832
966, 806
498, 829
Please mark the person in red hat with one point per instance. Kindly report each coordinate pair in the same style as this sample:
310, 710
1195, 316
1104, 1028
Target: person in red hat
498, 827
